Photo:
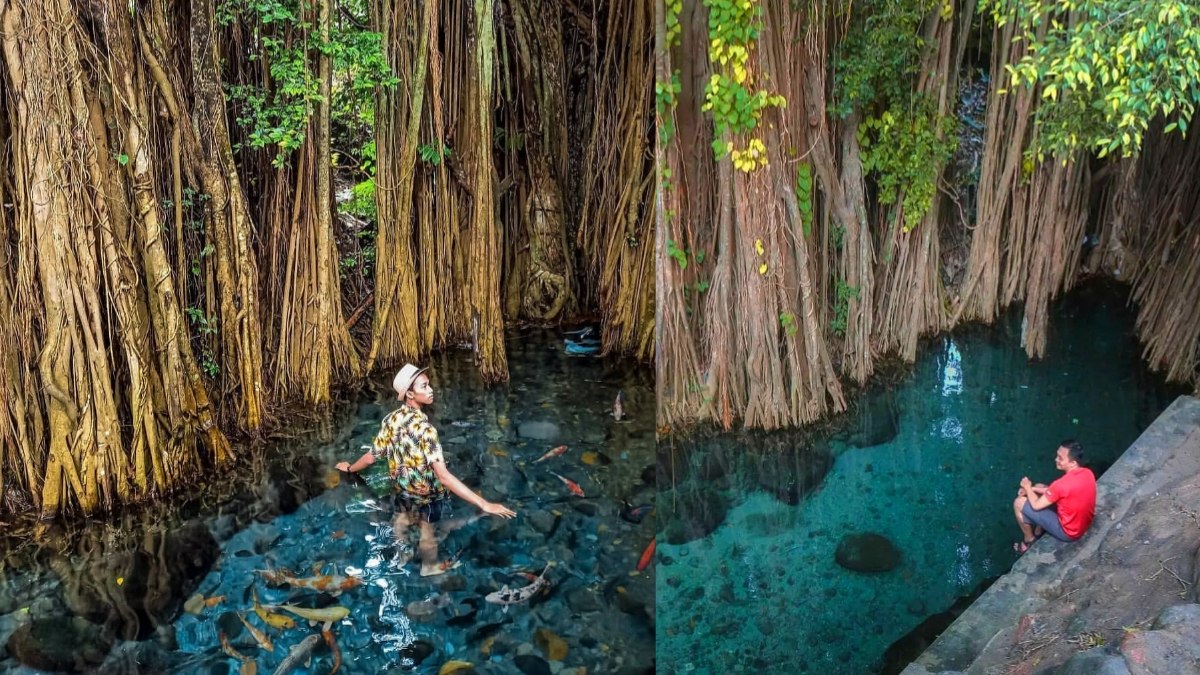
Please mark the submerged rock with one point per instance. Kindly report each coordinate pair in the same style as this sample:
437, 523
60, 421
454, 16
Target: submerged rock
533, 665
906, 650
867, 552
59, 644
541, 431
1096, 661
418, 651
543, 521
554, 647
583, 600
650, 475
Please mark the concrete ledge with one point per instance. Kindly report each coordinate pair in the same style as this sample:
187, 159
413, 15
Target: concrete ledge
1159, 469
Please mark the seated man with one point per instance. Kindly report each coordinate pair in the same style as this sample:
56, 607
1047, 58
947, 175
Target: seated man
1064, 509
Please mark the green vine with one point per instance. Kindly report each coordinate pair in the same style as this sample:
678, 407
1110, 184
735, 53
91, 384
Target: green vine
665, 96
673, 9
432, 154
788, 321
733, 28
900, 148
841, 308
898, 133
804, 195
205, 325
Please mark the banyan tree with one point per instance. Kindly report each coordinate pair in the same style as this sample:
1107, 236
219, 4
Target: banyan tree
838, 179
216, 212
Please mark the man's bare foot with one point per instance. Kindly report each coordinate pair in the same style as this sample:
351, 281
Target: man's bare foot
440, 568
1022, 546
404, 554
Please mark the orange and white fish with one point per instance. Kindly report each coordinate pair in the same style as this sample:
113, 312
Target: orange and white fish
571, 485
553, 453
647, 556
333, 584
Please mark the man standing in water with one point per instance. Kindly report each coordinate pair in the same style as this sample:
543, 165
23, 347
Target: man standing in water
409, 444
1064, 509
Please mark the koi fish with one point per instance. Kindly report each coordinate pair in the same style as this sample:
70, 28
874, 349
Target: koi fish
647, 556
333, 647
333, 584
278, 621
332, 614
571, 485
259, 636
299, 653
618, 409
635, 514
198, 602
506, 596
553, 453
228, 648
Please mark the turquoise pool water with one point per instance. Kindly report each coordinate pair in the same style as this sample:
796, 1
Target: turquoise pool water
931, 462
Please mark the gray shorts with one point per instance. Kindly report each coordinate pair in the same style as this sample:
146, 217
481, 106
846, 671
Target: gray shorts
1047, 518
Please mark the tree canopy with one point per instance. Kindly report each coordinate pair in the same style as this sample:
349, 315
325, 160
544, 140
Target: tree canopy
1107, 69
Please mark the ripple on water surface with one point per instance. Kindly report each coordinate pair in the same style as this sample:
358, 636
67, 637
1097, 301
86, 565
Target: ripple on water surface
928, 466
156, 591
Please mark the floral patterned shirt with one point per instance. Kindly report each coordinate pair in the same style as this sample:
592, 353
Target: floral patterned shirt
409, 444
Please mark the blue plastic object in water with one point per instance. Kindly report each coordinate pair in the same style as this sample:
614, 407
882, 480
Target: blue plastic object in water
580, 348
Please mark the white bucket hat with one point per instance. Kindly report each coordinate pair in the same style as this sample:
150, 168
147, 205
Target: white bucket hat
405, 378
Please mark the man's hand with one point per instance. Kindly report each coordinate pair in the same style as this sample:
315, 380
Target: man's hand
342, 466
494, 509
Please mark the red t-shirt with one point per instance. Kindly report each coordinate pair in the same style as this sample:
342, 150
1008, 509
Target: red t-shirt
1075, 495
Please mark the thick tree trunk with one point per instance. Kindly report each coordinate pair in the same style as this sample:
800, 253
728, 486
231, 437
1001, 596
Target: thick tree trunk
315, 349
229, 217
396, 331
616, 223
484, 244
546, 293
137, 421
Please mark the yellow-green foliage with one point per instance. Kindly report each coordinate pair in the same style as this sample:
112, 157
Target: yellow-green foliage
1106, 77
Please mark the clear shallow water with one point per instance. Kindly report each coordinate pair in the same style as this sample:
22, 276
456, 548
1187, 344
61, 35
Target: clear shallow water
943, 449
109, 596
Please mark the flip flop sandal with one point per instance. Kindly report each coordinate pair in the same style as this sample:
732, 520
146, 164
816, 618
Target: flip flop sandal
1021, 547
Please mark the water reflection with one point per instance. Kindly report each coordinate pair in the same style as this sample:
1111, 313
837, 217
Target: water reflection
195, 585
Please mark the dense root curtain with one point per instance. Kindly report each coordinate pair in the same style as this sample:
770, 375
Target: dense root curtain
114, 395
616, 221
395, 333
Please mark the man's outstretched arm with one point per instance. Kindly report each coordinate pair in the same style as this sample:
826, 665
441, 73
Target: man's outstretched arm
459, 488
